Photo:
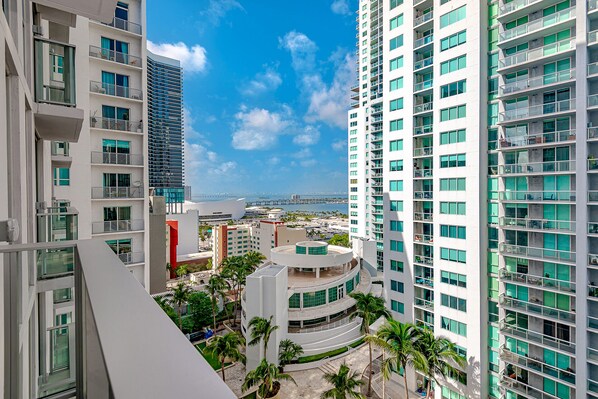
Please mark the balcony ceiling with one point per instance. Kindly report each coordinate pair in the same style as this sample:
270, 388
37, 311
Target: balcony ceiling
59, 123
101, 10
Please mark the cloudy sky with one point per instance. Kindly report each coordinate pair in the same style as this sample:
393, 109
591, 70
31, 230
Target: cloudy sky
266, 91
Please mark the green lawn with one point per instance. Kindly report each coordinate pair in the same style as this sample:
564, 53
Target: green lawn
313, 358
208, 356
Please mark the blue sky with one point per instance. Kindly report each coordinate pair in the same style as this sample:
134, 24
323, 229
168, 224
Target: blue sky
266, 91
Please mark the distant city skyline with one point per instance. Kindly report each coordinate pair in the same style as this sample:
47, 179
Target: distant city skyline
266, 114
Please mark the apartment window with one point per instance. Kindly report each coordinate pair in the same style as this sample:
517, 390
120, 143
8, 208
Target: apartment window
396, 145
395, 125
397, 266
396, 225
353, 164
452, 113
452, 208
396, 21
396, 246
453, 302
452, 161
353, 157
452, 41
353, 132
396, 185
452, 137
452, 89
453, 326
397, 286
456, 279
396, 84
117, 180
396, 104
446, 392
353, 148
397, 306
396, 42
62, 176
353, 140
396, 63
115, 118
121, 247
115, 84
353, 115
122, 11
452, 16
396, 166
452, 184
312, 299
117, 213
453, 255
451, 231
396, 206
395, 3
121, 49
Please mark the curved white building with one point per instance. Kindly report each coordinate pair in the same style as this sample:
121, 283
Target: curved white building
210, 211
306, 289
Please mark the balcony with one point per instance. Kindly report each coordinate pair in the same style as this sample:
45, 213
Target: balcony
593, 197
518, 384
427, 282
117, 226
130, 258
115, 90
537, 25
517, 142
60, 154
117, 192
538, 365
423, 129
422, 86
423, 18
425, 173
56, 116
423, 195
114, 158
423, 260
84, 358
423, 63
423, 303
423, 238
537, 196
505, 8
537, 82
121, 125
423, 216
536, 281
540, 254
537, 167
114, 56
592, 165
537, 224
422, 41
592, 37
536, 337
126, 25
57, 224
536, 308
421, 108
423, 151
537, 54
537, 111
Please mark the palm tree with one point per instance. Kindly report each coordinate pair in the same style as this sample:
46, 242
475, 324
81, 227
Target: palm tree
216, 288
288, 351
236, 270
225, 347
345, 383
267, 376
180, 295
440, 356
253, 259
369, 308
261, 328
397, 339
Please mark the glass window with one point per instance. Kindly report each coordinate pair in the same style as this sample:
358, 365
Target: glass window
452, 16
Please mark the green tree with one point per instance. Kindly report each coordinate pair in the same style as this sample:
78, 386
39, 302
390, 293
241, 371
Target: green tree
369, 308
345, 384
261, 329
253, 259
267, 377
216, 287
200, 309
165, 306
397, 340
440, 356
236, 269
182, 270
226, 347
180, 295
288, 351
340, 240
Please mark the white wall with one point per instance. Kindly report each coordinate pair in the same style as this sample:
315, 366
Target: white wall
188, 231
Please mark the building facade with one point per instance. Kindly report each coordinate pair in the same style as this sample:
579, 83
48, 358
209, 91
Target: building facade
165, 129
471, 167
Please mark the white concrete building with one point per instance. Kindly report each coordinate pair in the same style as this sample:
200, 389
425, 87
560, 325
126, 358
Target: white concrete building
66, 302
267, 234
306, 288
471, 164
217, 211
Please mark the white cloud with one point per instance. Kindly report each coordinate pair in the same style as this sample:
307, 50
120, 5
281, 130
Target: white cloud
193, 59
258, 128
302, 49
217, 9
339, 145
302, 153
263, 82
340, 7
308, 163
273, 161
309, 136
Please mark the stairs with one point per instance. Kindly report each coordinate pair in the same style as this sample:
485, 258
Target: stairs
328, 368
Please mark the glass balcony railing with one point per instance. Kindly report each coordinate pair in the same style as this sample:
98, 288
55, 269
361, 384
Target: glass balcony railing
518, 384
536, 307
537, 224
423, 18
593, 37
117, 192
131, 257
426, 107
425, 195
536, 337
511, 6
592, 165
115, 90
423, 63
425, 85
540, 253
124, 24
424, 260
537, 24
592, 228
592, 5
538, 365
423, 280
115, 56
422, 41
114, 158
537, 196
536, 281
423, 151
537, 167
423, 303
423, 238
116, 124
422, 173
55, 73
536, 82
115, 226
423, 129
537, 110
423, 216
592, 68
57, 224
536, 53
539, 138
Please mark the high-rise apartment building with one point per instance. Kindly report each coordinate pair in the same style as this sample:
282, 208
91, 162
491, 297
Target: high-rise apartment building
471, 159
66, 302
165, 129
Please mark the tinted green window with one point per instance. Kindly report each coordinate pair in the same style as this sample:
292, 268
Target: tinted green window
395, 3
396, 185
452, 16
453, 302
454, 64
396, 42
452, 41
452, 137
397, 306
396, 84
397, 286
452, 161
452, 89
62, 176
396, 246
453, 255
453, 326
452, 208
452, 184
350, 286
451, 231
396, 206
396, 225
395, 125
396, 104
451, 113
396, 22
456, 279
332, 294
396, 166
311, 299
396, 145
396, 63
294, 301
396, 266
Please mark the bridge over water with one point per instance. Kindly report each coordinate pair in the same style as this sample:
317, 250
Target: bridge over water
299, 201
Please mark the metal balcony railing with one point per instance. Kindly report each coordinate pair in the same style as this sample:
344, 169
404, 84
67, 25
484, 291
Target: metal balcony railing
537, 167
505, 8
115, 56
131, 257
60, 148
536, 307
114, 158
423, 216
536, 53
115, 124
537, 224
57, 224
536, 82
426, 107
423, 151
125, 24
423, 195
539, 138
423, 129
536, 281
423, 238
536, 337
535, 196
425, 260
538, 365
54, 72
115, 90
115, 226
117, 192
422, 41
532, 252
537, 24
423, 63
419, 86
423, 18
422, 173
537, 110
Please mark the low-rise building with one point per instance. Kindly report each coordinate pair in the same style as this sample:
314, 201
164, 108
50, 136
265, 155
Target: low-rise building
234, 240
